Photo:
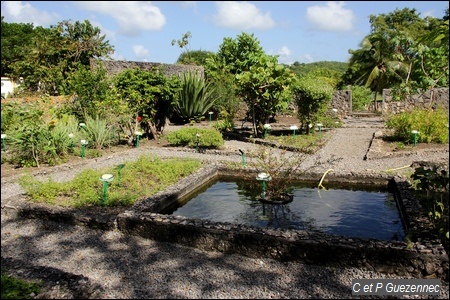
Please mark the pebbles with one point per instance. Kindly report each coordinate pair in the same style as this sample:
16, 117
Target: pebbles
78, 262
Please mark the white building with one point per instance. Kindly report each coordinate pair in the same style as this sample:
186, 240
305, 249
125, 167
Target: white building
8, 86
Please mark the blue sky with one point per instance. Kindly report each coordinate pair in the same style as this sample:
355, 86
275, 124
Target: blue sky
303, 31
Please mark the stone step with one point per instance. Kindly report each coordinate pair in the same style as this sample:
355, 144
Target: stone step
367, 114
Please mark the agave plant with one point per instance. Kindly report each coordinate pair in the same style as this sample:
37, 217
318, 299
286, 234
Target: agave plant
195, 98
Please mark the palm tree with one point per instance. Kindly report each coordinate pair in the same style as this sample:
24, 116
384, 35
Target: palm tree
375, 65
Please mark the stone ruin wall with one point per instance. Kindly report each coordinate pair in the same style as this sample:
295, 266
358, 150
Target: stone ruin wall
114, 67
430, 99
342, 101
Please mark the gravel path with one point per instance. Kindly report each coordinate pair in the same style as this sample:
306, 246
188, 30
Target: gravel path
77, 262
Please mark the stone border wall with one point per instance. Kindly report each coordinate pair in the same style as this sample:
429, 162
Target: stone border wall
342, 101
430, 99
422, 259
114, 67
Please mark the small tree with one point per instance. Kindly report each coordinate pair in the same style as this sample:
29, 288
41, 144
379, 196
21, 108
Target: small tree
149, 95
311, 97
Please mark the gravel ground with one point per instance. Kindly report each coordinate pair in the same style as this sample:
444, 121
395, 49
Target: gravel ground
77, 262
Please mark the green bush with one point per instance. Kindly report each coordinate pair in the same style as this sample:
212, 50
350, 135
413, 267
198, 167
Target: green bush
193, 137
361, 97
98, 132
431, 124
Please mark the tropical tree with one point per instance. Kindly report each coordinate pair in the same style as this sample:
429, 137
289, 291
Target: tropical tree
312, 97
395, 54
375, 66
149, 96
260, 81
57, 51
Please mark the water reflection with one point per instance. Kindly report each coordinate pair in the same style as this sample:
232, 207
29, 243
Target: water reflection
363, 212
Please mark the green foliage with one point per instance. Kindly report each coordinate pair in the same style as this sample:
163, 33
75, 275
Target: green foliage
142, 178
224, 125
431, 124
312, 98
361, 97
98, 132
193, 137
433, 181
194, 99
10, 116
54, 53
227, 102
90, 90
13, 288
194, 57
303, 143
31, 139
328, 71
16, 40
148, 94
403, 52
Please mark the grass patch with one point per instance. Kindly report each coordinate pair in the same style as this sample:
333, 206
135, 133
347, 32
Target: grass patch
13, 288
135, 180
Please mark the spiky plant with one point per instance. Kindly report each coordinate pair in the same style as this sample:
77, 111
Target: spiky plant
195, 98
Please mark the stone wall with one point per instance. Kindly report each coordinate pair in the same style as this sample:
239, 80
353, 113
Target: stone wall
422, 259
430, 99
342, 101
115, 66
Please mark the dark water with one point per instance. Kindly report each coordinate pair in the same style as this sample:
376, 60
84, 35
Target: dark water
355, 211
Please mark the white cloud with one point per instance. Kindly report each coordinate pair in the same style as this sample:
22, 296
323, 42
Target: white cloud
132, 16
284, 51
16, 12
241, 15
332, 17
140, 51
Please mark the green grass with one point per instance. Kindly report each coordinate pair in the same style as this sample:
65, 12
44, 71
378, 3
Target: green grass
13, 288
142, 178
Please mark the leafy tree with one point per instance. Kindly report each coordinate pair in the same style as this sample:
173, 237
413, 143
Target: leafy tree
311, 97
16, 40
260, 80
264, 88
55, 52
89, 90
396, 55
149, 95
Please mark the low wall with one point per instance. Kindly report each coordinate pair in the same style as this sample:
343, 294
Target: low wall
342, 102
116, 66
421, 259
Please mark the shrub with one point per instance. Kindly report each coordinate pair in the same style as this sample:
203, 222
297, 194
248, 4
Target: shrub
431, 124
193, 137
